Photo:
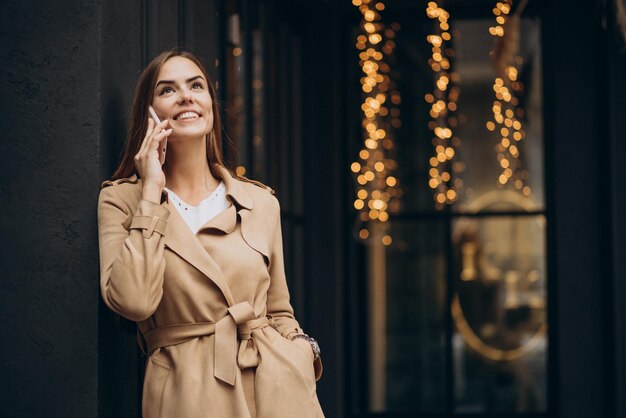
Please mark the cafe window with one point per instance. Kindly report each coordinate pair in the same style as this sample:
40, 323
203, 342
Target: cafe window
453, 318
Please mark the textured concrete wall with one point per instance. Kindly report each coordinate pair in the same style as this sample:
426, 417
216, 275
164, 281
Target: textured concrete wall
50, 83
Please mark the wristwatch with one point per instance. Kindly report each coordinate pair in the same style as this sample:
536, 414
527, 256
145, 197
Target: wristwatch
314, 345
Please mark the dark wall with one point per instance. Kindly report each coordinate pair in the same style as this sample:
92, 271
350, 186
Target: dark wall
615, 58
49, 167
326, 128
584, 166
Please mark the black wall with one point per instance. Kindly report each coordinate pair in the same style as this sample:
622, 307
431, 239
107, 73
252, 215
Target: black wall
585, 177
51, 116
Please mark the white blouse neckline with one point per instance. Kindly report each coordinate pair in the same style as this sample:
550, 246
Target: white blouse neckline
208, 208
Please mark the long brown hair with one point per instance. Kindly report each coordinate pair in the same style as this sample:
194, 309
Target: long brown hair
138, 125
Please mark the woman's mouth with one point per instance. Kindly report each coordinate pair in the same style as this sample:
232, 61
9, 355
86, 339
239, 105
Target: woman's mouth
186, 116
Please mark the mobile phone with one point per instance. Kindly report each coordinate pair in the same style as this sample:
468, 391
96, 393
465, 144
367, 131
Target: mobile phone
163, 148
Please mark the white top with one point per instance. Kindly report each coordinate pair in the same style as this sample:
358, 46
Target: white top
196, 216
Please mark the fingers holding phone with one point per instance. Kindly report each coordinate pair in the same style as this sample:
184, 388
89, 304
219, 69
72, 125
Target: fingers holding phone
151, 154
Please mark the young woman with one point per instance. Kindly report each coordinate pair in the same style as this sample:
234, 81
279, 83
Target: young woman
193, 254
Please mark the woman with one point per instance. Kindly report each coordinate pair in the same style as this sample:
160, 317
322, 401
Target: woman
193, 254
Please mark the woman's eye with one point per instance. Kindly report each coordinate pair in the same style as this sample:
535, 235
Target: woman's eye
197, 85
166, 90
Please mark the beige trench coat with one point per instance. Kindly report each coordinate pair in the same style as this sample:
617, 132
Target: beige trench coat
212, 308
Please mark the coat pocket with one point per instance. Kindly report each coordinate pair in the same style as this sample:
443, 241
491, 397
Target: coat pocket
285, 384
306, 351
157, 373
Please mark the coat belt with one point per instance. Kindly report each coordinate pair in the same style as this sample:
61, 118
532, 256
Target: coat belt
240, 320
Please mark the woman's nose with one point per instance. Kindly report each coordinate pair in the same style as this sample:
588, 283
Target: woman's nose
185, 95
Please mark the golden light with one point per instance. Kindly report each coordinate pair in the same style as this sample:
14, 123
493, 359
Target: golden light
380, 117
240, 170
375, 38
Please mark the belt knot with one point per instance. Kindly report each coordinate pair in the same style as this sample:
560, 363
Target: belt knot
239, 321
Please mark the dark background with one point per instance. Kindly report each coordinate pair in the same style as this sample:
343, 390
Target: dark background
68, 69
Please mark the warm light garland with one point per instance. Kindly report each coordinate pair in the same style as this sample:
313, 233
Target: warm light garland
377, 188
444, 164
507, 112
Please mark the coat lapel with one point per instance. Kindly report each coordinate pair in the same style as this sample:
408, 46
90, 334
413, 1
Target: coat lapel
183, 242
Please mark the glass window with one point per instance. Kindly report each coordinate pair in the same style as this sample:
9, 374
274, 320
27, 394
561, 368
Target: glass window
456, 300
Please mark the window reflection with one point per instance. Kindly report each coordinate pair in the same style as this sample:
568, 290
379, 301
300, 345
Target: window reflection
235, 106
258, 145
499, 309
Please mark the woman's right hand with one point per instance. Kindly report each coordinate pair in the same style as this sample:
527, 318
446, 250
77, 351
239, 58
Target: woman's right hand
147, 159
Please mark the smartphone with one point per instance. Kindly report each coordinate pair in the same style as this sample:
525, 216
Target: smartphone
163, 148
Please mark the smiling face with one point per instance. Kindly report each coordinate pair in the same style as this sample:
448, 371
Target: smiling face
182, 96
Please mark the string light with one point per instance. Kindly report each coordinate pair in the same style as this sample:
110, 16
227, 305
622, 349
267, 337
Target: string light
507, 88
378, 190
445, 166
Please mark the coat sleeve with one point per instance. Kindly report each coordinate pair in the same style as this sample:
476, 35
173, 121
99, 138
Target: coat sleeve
131, 245
278, 306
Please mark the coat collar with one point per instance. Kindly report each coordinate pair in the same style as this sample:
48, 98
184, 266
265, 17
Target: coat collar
235, 188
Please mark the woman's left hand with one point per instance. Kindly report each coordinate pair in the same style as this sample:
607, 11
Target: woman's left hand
305, 346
